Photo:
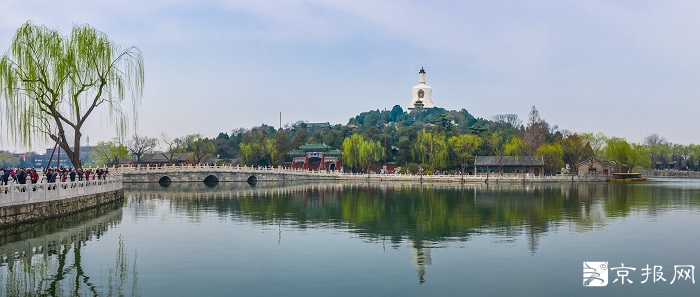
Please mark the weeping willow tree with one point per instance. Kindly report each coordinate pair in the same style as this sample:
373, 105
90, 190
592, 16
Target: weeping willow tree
51, 84
361, 152
431, 149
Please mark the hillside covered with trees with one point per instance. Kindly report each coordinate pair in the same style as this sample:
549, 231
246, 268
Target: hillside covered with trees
436, 139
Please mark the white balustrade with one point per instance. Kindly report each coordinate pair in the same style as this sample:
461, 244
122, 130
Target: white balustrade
348, 175
18, 194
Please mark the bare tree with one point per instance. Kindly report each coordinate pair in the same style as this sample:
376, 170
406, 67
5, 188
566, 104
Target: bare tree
510, 119
173, 146
495, 144
660, 150
139, 146
535, 132
654, 139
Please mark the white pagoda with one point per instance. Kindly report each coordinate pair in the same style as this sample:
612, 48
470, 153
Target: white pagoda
422, 93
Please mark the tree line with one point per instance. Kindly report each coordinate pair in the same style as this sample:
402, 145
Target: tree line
434, 139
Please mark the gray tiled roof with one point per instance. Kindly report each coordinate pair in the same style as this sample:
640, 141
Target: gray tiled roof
508, 161
160, 157
594, 159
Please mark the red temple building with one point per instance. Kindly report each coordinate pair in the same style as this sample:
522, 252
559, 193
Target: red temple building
315, 157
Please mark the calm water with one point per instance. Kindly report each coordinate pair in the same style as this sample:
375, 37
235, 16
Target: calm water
361, 240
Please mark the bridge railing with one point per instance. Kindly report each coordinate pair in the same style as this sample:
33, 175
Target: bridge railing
180, 168
341, 174
18, 194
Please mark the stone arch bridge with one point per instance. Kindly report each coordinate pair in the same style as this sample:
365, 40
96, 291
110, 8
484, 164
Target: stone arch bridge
215, 174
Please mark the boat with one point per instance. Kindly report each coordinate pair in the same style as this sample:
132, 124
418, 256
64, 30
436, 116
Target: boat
627, 177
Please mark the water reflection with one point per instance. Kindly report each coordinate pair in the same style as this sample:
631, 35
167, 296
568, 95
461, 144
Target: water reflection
423, 216
428, 212
46, 258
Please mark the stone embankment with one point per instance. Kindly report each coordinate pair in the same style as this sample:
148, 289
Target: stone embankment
21, 203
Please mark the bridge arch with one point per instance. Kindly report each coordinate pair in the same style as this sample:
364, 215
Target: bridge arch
252, 180
165, 181
211, 179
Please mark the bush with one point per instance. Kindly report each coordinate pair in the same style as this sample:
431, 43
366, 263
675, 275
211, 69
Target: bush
412, 168
427, 172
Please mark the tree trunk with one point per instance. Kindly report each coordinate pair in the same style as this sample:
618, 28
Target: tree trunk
73, 155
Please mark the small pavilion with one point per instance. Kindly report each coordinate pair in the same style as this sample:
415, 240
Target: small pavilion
315, 156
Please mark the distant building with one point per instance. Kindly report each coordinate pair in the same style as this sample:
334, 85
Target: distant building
318, 125
315, 157
422, 93
594, 166
522, 164
59, 158
161, 158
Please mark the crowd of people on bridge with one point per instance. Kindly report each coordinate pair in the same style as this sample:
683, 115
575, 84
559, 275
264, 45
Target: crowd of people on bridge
51, 175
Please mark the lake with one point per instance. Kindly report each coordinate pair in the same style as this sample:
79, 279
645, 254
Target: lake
349, 239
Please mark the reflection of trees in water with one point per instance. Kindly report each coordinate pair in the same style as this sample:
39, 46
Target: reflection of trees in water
62, 274
430, 212
46, 259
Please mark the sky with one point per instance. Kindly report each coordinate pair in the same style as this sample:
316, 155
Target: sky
624, 68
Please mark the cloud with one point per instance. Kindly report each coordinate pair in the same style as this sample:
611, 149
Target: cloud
620, 59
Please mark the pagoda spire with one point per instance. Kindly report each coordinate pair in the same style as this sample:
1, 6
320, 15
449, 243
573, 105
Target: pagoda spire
421, 76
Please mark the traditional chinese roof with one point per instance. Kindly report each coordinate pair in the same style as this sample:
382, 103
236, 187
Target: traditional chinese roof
297, 153
334, 153
508, 161
314, 147
591, 160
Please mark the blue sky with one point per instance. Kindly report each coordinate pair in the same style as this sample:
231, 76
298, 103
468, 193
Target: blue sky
625, 68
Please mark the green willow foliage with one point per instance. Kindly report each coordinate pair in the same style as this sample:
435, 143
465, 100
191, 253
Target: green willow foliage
52, 83
553, 155
431, 149
464, 146
359, 152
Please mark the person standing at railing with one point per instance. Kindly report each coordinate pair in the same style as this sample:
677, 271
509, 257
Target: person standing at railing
50, 176
21, 176
80, 174
72, 174
34, 176
3, 181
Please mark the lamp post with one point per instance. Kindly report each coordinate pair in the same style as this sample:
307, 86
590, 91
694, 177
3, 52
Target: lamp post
420, 172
